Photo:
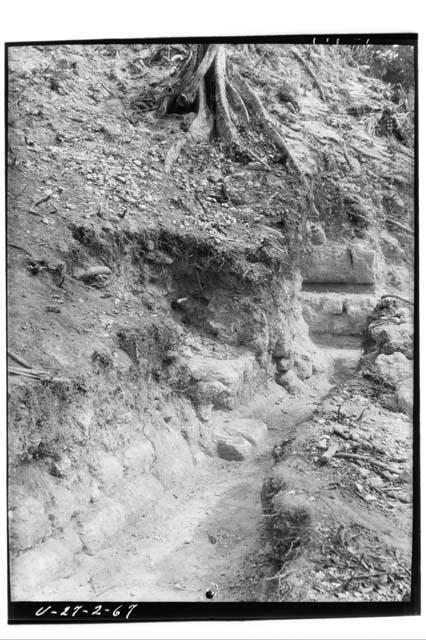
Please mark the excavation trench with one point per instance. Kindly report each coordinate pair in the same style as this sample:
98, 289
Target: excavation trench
206, 531
205, 535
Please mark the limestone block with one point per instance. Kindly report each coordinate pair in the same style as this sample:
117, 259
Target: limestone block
394, 369
255, 431
291, 382
62, 507
391, 338
100, 523
336, 313
282, 349
336, 263
405, 396
303, 367
284, 364
219, 382
333, 306
173, 455
28, 523
234, 448
39, 565
138, 493
139, 456
107, 469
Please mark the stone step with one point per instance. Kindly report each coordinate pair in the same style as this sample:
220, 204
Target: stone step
336, 312
338, 287
336, 262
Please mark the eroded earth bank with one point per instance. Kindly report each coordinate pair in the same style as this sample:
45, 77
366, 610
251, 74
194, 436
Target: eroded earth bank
209, 386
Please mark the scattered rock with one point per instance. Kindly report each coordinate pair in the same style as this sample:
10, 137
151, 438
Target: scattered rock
375, 482
291, 382
61, 467
331, 451
234, 448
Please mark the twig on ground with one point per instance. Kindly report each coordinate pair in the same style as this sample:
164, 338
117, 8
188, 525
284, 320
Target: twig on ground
373, 461
43, 199
391, 295
18, 359
310, 72
352, 576
399, 225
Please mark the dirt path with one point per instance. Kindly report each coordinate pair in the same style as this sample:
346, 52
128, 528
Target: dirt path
207, 532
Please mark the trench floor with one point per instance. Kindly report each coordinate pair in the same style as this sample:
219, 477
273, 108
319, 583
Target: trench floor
206, 534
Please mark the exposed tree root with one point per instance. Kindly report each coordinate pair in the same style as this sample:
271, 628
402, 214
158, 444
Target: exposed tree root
199, 131
223, 99
392, 295
399, 225
311, 72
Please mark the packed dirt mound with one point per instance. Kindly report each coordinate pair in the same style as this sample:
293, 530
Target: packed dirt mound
338, 502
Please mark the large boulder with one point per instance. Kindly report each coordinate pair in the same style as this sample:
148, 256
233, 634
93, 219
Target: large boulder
391, 337
237, 438
393, 369
335, 263
220, 382
303, 366
291, 382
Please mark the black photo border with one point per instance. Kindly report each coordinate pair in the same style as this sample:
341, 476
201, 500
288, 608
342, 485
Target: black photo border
31, 612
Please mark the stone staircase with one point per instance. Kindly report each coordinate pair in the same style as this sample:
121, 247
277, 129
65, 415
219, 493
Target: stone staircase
338, 293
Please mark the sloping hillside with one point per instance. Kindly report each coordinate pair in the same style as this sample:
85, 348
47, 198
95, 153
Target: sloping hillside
159, 316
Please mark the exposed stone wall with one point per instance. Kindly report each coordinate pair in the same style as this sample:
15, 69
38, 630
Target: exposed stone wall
389, 350
341, 263
337, 313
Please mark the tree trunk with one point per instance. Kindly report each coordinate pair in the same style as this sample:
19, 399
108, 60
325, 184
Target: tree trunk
225, 105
